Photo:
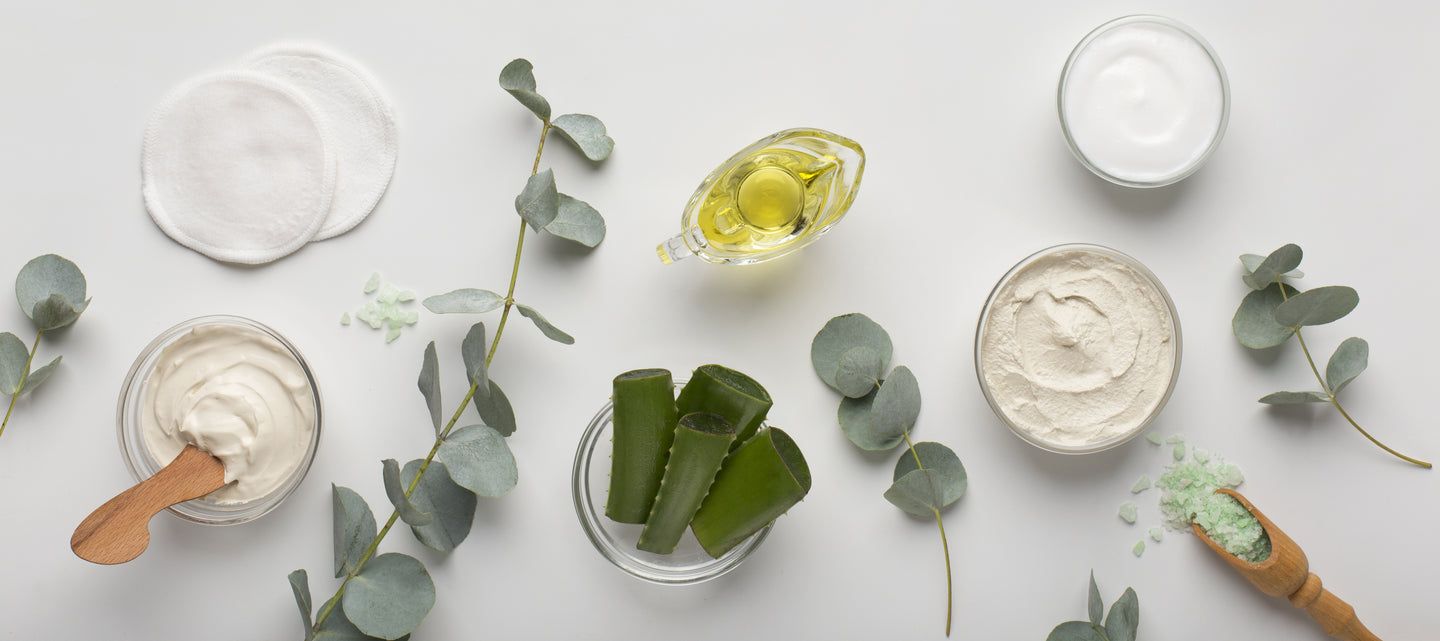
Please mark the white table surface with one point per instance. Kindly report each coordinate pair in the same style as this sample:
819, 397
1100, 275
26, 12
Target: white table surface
1330, 144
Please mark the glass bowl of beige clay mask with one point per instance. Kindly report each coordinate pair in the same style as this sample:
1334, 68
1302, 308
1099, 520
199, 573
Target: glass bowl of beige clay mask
238, 390
1078, 348
616, 541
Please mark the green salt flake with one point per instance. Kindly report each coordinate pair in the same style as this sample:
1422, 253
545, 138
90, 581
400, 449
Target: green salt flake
1153, 437
345, 319
1157, 533
388, 295
1141, 485
1139, 548
406, 296
1175, 438
1179, 451
1129, 511
1234, 528
411, 317
392, 334
393, 324
1188, 495
1202, 456
372, 284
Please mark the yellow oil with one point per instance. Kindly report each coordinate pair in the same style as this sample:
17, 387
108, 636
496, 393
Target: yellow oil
764, 200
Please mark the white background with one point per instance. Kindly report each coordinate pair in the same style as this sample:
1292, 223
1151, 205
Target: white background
1331, 145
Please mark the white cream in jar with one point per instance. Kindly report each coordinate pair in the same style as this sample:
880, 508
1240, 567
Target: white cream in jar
1143, 101
1077, 348
238, 394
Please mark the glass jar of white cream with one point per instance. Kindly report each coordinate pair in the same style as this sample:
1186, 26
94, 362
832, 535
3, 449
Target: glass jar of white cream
1143, 101
236, 389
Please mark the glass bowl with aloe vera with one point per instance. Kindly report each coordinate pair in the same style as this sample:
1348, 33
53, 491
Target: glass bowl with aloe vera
695, 477
769, 199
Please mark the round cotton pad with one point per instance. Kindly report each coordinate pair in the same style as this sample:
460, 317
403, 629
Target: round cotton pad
358, 114
238, 166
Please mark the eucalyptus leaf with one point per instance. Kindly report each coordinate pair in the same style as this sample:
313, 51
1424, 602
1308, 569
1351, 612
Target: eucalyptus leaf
390, 596
859, 371
1074, 631
518, 78
854, 416
1095, 603
1349, 360
39, 376
550, 331
472, 351
949, 474
1294, 398
495, 410
1273, 267
843, 333
1124, 619
54, 312
1253, 261
897, 404
577, 221
45, 277
14, 357
337, 627
1317, 306
1254, 322
300, 585
587, 133
480, 461
429, 383
408, 511
539, 203
464, 301
917, 493
452, 506
354, 528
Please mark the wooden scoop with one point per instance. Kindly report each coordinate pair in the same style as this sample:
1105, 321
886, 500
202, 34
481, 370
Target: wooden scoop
119, 530
1287, 573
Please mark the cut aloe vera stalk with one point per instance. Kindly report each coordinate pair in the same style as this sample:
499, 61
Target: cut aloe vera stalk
759, 482
701, 441
724, 391
644, 428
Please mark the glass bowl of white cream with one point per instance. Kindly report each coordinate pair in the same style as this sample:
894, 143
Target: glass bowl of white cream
238, 390
1078, 348
589, 486
1143, 101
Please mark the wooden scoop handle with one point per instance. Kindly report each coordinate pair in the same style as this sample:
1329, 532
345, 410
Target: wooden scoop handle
1336, 617
119, 530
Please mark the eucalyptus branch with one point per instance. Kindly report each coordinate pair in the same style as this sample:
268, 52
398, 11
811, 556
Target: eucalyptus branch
944, 542
1123, 621
51, 292
20, 384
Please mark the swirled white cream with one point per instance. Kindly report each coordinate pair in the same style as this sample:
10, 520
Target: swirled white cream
1078, 348
238, 394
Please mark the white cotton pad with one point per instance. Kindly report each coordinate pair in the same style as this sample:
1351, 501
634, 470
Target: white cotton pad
359, 116
238, 166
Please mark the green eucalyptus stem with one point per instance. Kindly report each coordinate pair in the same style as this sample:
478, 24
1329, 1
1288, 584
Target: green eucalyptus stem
1330, 394
454, 418
21, 385
944, 541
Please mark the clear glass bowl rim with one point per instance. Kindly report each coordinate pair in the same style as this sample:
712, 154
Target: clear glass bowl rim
1175, 346
620, 557
1224, 100
137, 457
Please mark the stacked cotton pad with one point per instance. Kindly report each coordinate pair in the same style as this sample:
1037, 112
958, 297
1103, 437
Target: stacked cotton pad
247, 166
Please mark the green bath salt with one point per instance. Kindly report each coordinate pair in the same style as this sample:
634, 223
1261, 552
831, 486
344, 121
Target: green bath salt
1188, 495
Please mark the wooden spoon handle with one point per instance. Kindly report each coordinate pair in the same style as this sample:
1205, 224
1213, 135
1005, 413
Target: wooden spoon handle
119, 531
1335, 616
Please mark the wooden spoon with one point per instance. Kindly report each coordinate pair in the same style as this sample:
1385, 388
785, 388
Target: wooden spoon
1286, 572
119, 530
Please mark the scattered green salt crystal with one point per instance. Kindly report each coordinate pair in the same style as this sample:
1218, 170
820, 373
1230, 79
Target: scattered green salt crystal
411, 317
1139, 548
1153, 437
1129, 511
1141, 485
1157, 533
345, 318
1200, 455
1188, 495
372, 284
406, 296
1179, 451
1175, 438
392, 334
389, 295
384, 310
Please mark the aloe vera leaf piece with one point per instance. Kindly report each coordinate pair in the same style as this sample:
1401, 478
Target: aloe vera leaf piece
724, 391
644, 428
758, 483
701, 441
